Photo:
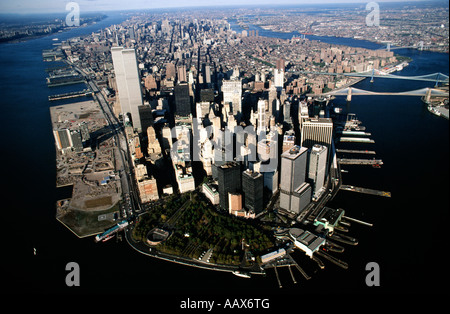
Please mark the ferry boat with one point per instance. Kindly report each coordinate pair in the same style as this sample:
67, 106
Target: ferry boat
241, 274
108, 237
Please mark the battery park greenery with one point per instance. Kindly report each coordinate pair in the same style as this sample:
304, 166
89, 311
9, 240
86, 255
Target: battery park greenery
196, 226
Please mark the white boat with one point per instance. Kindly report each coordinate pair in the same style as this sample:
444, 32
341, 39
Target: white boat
241, 274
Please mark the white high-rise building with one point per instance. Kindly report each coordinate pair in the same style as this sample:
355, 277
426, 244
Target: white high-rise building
279, 79
128, 83
317, 131
262, 127
317, 168
303, 114
232, 93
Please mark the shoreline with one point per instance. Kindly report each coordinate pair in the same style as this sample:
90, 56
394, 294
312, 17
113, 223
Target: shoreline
185, 261
63, 30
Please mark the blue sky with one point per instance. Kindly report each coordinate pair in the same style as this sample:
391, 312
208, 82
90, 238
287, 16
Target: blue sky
44, 6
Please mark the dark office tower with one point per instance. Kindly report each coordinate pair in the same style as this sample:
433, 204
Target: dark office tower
219, 160
182, 100
207, 95
287, 112
145, 113
229, 179
253, 186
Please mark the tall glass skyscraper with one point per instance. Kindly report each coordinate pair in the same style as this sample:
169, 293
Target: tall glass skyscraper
128, 83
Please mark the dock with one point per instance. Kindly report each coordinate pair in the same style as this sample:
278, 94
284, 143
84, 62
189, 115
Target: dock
356, 140
82, 93
364, 190
352, 151
332, 259
278, 278
358, 221
356, 133
349, 161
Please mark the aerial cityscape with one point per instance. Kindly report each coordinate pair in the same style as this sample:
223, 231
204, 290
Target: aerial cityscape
288, 145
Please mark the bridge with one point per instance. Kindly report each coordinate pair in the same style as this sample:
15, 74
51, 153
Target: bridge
420, 45
351, 91
434, 77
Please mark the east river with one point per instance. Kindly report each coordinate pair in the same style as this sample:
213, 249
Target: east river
407, 239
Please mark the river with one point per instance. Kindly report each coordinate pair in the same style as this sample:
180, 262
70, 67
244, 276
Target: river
405, 239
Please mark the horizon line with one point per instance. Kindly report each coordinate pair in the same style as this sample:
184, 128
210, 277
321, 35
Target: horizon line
221, 5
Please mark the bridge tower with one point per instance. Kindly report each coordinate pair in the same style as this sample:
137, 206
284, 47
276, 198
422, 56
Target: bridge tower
428, 96
388, 47
437, 80
349, 94
373, 73
421, 45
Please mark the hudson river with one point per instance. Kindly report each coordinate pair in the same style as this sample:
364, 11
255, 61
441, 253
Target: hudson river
407, 239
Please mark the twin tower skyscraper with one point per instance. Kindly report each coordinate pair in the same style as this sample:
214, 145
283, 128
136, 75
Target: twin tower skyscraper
128, 83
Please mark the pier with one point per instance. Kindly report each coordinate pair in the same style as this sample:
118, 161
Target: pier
351, 151
364, 190
348, 161
332, 259
358, 221
356, 133
356, 140
82, 93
